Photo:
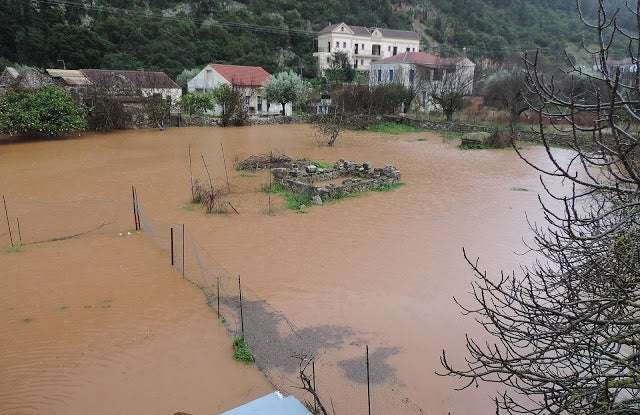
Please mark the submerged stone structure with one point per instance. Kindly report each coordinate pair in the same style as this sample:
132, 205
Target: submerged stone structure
343, 178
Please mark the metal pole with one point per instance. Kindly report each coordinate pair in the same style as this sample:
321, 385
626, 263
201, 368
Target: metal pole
135, 193
135, 215
241, 313
270, 179
6, 213
173, 262
218, 297
224, 160
19, 232
183, 258
368, 383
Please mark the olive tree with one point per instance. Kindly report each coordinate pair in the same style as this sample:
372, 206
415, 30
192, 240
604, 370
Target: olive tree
285, 88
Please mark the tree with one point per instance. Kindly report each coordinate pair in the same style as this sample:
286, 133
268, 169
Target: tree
340, 68
506, 90
448, 90
230, 100
186, 75
562, 335
286, 87
197, 103
45, 111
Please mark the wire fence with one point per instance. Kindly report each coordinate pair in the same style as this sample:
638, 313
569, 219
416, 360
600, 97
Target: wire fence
276, 343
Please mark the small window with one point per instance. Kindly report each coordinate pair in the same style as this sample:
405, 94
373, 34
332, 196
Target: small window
344, 44
247, 99
412, 76
379, 75
408, 49
390, 75
337, 44
389, 50
361, 62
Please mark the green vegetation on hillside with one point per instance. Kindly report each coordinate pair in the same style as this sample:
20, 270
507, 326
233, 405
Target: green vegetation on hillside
173, 35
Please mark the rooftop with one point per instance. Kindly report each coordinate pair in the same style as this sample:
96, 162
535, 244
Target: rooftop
242, 75
421, 58
365, 31
139, 79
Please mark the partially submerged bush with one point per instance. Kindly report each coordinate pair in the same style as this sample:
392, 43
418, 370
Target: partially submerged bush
210, 198
242, 351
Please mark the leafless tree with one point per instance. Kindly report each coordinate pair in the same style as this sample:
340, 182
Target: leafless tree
308, 385
563, 335
448, 88
507, 90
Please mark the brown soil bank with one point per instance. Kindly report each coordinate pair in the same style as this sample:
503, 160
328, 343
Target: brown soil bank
379, 269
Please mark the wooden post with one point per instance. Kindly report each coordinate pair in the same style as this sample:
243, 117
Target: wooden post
368, 383
270, 180
6, 213
218, 297
315, 398
207, 170
190, 169
19, 232
183, 258
173, 262
224, 160
241, 313
234, 209
135, 214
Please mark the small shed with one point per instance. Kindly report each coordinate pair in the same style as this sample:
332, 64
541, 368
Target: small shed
272, 404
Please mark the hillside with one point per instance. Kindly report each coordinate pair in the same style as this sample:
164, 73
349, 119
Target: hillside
172, 35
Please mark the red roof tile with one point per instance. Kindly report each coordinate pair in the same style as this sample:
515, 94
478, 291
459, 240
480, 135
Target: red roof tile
242, 75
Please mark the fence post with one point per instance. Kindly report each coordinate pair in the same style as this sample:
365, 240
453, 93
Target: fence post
315, 398
19, 231
368, 383
7, 215
218, 297
135, 191
224, 160
173, 262
183, 258
135, 214
241, 313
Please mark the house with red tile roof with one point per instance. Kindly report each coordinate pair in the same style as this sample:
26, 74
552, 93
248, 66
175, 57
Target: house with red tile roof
421, 71
249, 80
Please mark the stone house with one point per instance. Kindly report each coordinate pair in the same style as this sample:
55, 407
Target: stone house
422, 72
362, 45
249, 80
23, 77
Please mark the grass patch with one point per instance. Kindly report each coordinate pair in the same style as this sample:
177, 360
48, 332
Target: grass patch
388, 187
295, 201
393, 128
519, 189
422, 140
474, 146
27, 320
322, 164
14, 249
241, 350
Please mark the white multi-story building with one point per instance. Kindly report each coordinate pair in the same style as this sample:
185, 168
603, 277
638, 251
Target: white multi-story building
363, 45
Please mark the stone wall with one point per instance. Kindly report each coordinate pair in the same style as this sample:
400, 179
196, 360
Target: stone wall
357, 178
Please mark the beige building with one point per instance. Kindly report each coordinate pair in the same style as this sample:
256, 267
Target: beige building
363, 45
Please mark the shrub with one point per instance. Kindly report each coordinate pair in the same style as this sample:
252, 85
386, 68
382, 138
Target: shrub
46, 111
242, 351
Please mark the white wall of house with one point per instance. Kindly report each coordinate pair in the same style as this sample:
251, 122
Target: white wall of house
254, 98
342, 39
400, 73
174, 94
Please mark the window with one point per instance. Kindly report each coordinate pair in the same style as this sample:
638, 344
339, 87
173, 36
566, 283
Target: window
379, 75
337, 44
329, 46
355, 64
375, 50
344, 44
390, 75
412, 76
389, 49
361, 62
413, 50
247, 99
363, 46
356, 48
408, 49
328, 59
395, 50
259, 103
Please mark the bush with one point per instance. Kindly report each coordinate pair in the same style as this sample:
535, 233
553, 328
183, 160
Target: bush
241, 350
46, 111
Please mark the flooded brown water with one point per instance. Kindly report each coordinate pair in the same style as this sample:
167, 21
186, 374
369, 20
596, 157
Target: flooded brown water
382, 267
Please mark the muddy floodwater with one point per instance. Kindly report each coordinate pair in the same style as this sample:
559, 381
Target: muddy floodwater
102, 324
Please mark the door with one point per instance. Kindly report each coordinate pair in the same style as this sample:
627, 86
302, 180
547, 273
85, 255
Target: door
259, 103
